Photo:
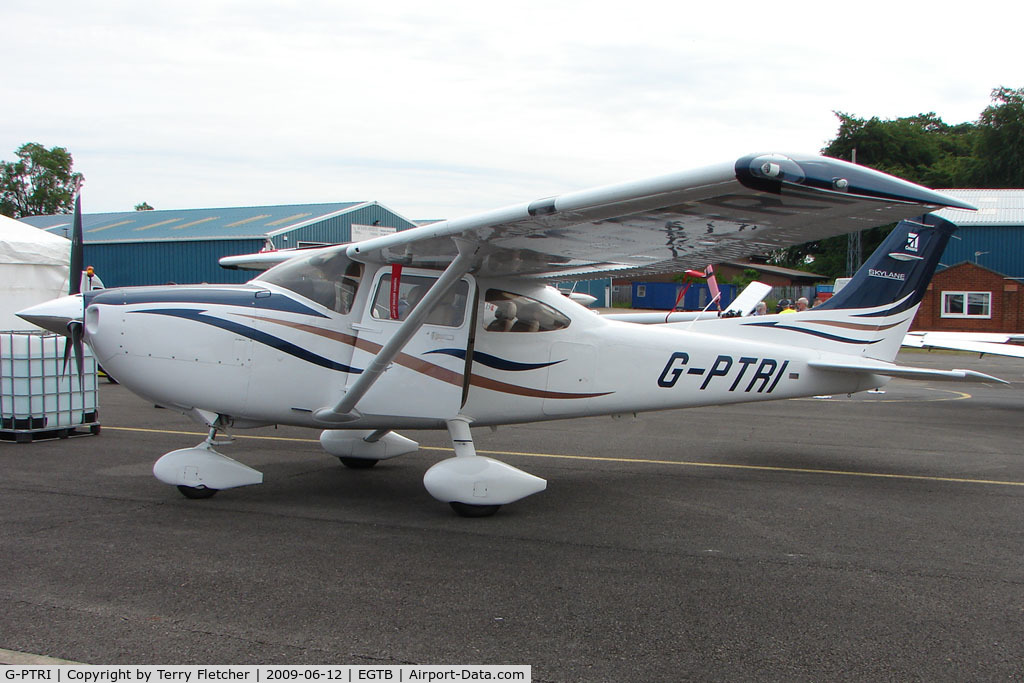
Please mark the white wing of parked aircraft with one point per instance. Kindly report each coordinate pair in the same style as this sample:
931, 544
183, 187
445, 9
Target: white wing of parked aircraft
742, 305
976, 342
453, 324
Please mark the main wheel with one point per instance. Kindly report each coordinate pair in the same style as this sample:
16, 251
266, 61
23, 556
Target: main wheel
358, 463
469, 510
197, 492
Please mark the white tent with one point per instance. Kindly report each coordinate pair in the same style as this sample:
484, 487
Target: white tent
34, 268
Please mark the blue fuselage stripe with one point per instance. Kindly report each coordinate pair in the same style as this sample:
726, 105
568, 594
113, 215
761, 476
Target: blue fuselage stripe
494, 361
815, 333
243, 296
254, 334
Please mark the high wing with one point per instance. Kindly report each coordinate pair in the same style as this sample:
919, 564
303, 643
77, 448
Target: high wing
659, 225
667, 223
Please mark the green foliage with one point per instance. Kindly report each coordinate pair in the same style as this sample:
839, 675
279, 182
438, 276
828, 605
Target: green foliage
144, 206
925, 150
999, 145
922, 149
40, 182
742, 279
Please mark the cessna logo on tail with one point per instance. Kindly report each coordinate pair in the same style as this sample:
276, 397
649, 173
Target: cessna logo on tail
912, 242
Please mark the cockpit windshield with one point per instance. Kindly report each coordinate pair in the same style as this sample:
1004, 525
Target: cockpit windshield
330, 279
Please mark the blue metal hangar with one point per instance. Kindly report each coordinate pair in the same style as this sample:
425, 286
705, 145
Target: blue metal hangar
182, 246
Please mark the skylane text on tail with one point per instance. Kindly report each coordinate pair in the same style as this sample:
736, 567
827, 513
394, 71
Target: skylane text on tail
454, 324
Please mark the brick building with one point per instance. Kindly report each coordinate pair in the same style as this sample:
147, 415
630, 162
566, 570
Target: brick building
971, 298
977, 286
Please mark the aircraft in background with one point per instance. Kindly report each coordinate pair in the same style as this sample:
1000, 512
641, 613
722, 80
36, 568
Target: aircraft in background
743, 305
995, 343
453, 325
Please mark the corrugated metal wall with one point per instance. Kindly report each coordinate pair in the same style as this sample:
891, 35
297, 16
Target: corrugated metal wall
1004, 246
158, 263
194, 261
339, 228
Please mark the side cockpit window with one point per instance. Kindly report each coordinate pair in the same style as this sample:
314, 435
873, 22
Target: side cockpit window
508, 312
449, 312
330, 279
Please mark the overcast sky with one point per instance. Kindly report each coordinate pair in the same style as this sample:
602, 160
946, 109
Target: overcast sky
439, 109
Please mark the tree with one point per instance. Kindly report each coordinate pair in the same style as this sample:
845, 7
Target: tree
40, 182
144, 206
922, 149
999, 145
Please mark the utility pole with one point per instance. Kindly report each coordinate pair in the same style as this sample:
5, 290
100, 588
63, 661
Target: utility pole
852, 240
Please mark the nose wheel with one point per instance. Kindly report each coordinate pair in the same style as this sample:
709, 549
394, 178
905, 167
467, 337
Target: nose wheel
200, 472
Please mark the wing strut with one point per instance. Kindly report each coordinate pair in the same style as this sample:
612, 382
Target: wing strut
344, 410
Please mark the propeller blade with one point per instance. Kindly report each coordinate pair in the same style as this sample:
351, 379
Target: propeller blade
77, 257
74, 343
77, 332
67, 355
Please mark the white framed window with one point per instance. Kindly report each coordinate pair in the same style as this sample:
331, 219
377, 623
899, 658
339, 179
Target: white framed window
967, 304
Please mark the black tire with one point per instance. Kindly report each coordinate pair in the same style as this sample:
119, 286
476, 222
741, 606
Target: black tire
197, 492
358, 463
469, 510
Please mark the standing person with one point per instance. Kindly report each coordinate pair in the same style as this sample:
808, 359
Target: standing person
760, 309
802, 304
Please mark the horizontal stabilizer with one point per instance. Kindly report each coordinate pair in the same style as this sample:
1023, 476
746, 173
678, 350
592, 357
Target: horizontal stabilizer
906, 372
263, 260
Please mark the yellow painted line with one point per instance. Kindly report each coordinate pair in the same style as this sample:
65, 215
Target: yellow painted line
957, 396
203, 434
642, 461
15, 658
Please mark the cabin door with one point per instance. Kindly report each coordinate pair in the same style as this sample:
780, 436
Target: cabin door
426, 379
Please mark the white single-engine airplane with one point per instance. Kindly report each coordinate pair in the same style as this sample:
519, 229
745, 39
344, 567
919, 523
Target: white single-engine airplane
452, 325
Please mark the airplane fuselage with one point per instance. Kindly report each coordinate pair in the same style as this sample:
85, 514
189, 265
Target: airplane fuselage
263, 354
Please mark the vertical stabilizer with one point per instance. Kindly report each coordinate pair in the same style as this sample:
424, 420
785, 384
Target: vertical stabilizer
898, 272
870, 316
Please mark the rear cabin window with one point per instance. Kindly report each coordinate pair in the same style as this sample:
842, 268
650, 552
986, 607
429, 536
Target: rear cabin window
508, 312
330, 280
449, 312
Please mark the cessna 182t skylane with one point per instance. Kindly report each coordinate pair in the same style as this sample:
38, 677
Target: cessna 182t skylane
452, 325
